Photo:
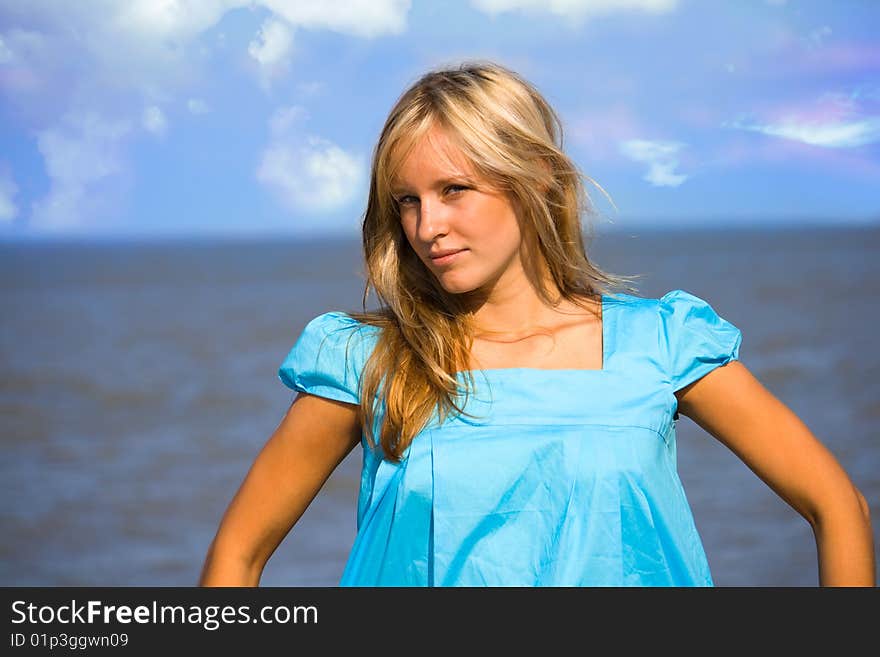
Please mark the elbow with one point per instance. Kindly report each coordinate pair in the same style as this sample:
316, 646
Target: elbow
226, 566
863, 505
853, 501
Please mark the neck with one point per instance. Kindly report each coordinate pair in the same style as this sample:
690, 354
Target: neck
515, 306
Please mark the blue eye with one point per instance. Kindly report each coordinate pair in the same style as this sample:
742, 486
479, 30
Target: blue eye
450, 189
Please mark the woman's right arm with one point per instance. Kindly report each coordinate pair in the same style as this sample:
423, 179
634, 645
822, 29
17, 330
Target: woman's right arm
313, 438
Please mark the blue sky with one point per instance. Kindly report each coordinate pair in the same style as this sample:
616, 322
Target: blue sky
227, 117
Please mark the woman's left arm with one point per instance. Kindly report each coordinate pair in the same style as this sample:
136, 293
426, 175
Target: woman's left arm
735, 408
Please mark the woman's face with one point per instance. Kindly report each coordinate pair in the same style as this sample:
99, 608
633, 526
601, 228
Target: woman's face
444, 207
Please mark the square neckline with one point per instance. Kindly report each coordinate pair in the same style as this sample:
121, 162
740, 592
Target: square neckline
606, 354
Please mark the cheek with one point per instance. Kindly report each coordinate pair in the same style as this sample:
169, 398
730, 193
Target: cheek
407, 243
503, 230
407, 231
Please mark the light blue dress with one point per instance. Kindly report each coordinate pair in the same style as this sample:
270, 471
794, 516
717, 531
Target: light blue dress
564, 478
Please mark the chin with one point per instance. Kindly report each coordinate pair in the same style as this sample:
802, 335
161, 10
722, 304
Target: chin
456, 287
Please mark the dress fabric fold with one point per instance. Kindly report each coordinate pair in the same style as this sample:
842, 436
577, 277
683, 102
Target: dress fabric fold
560, 478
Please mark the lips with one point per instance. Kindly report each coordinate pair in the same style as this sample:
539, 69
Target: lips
446, 257
444, 252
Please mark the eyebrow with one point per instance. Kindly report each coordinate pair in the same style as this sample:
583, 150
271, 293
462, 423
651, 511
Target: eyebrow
400, 189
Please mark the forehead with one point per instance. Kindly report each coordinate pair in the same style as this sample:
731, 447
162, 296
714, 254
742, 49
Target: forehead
429, 157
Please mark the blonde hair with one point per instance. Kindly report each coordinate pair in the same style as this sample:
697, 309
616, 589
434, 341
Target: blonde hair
513, 139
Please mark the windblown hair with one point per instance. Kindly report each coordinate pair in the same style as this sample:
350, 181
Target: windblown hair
513, 139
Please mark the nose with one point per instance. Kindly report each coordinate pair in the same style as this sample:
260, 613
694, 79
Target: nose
433, 220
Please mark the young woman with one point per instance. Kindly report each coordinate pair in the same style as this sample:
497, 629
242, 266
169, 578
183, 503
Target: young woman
517, 416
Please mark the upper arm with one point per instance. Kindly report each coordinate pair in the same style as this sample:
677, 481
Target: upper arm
312, 439
318, 430
735, 408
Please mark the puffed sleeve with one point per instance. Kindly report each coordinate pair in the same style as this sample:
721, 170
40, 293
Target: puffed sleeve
327, 358
694, 338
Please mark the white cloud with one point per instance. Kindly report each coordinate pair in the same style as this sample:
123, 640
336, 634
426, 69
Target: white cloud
30, 66
5, 52
601, 130
829, 134
18, 45
8, 190
103, 49
284, 118
271, 50
146, 46
660, 156
365, 18
154, 121
167, 19
574, 9
316, 177
817, 37
309, 89
81, 153
866, 90
197, 106
104, 58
